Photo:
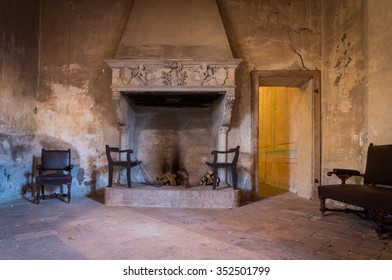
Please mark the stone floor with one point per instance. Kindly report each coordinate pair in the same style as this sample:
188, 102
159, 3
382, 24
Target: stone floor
278, 226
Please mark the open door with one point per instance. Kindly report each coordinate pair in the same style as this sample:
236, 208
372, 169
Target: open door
286, 131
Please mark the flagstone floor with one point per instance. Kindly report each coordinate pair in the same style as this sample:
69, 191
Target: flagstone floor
279, 226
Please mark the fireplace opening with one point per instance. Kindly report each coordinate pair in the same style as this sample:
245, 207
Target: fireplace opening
174, 140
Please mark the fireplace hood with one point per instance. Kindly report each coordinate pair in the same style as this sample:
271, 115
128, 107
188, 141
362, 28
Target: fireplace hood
174, 29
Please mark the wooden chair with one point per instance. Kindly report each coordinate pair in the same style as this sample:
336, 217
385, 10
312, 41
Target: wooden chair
55, 169
115, 160
215, 164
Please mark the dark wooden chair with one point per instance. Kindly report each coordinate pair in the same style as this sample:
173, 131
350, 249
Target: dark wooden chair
114, 158
374, 196
232, 165
55, 169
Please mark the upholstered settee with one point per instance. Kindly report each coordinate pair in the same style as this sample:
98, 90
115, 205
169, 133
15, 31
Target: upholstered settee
373, 197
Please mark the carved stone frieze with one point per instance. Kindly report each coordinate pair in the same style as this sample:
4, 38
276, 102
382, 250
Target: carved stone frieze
175, 75
139, 73
172, 73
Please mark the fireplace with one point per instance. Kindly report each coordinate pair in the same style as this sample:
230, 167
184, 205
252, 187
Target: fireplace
173, 86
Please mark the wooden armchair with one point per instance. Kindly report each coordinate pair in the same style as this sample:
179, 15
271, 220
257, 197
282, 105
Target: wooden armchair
216, 164
113, 155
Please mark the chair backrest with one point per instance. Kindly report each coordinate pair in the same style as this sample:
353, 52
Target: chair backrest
236, 152
108, 154
232, 154
379, 165
117, 154
55, 159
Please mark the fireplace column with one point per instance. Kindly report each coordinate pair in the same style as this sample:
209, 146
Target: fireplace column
121, 112
124, 132
222, 146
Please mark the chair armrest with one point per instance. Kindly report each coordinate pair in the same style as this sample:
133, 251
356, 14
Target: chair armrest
341, 171
125, 151
344, 174
68, 168
221, 152
128, 152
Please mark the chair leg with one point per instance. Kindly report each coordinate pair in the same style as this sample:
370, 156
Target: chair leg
129, 177
215, 178
234, 177
69, 193
110, 175
322, 206
381, 230
38, 194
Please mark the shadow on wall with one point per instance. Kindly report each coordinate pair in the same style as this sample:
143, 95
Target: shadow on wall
19, 155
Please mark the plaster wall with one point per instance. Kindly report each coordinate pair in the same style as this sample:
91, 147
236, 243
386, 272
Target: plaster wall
344, 133
62, 44
356, 83
267, 35
18, 82
74, 103
379, 71
73, 106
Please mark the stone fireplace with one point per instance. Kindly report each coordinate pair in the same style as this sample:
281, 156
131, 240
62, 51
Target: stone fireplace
173, 86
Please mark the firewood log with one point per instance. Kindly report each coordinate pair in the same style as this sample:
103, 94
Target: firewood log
172, 178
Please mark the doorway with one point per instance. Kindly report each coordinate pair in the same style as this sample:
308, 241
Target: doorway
286, 129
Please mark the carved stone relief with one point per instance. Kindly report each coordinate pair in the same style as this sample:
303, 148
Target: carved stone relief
173, 73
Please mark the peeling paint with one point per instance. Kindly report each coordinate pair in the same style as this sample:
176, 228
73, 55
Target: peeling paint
80, 175
74, 67
337, 80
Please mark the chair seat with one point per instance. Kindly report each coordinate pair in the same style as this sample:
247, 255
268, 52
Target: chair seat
221, 164
125, 163
53, 178
367, 196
